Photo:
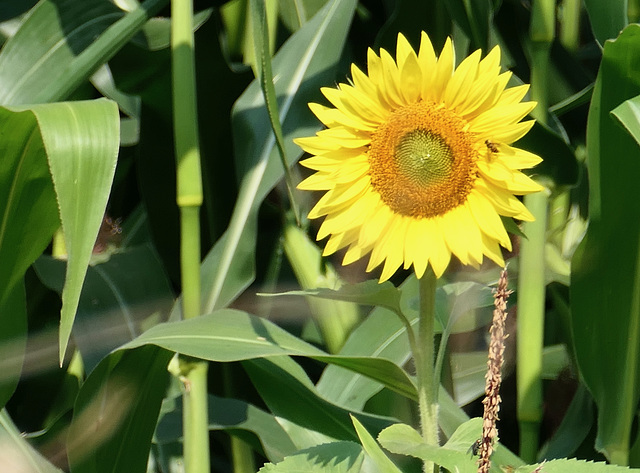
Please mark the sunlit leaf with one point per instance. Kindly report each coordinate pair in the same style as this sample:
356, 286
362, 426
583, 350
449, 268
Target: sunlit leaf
628, 112
118, 298
73, 40
116, 412
302, 65
232, 335
372, 448
336, 457
605, 279
81, 140
17, 454
75, 145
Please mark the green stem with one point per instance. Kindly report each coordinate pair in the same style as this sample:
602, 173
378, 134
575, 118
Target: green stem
195, 417
570, 21
542, 32
423, 354
189, 198
531, 299
531, 281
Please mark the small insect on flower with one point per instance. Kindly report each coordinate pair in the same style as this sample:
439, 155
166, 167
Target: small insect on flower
491, 146
400, 165
474, 449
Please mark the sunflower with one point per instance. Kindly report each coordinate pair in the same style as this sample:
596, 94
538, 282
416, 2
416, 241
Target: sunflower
416, 160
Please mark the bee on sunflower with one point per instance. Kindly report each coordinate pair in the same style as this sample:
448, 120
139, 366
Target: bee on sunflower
416, 160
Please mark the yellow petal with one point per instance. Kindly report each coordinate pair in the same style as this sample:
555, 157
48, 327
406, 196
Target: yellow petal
443, 71
500, 117
513, 132
341, 196
391, 89
354, 253
492, 250
332, 117
516, 158
505, 202
487, 218
416, 249
315, 145
427, 62
461, 82
439, 255
395, 250
410, 71
462, 235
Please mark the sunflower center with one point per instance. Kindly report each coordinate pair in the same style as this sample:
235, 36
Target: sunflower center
422, 160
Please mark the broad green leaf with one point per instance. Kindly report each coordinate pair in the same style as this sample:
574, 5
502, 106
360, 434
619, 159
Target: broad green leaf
451, 417
232, 335
116, 412
607, 19
16, 452
628, 112
289, 393
382, 461
81, 140
369, 292
234, 415
382, 334
453, 456
119, 298
46, 141
605, 285
573, 466
302, 65
302, 437
73, 40
336, 457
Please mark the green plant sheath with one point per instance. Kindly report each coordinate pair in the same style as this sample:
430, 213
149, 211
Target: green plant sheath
531, 296
189, 198
531, 281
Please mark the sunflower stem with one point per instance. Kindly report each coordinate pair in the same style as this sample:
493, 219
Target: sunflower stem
193, 373
423, 355
531, 298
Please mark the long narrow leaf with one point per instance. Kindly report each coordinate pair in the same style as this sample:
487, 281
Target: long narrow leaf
81, 140
303, 63
605, 285
73, 40
232, 335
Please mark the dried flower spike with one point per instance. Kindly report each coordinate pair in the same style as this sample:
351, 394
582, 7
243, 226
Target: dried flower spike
494, 374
